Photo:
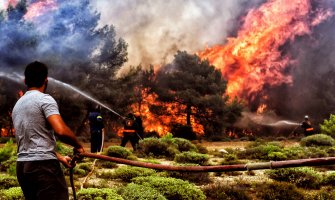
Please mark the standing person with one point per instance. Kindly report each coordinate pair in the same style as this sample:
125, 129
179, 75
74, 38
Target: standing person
97, 130
37, 120
307, 126
130, 132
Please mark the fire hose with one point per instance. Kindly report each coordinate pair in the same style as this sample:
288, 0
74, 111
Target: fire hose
216, 168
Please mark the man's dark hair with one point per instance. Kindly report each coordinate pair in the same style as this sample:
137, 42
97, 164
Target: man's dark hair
35, 74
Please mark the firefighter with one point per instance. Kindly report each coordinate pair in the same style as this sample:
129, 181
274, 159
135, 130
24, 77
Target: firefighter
130, 132
96, 129
307, 126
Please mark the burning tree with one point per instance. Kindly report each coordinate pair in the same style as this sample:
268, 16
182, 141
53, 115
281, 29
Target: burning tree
197, 91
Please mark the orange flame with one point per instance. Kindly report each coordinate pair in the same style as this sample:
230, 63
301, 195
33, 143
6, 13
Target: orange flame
39, 8
253, 58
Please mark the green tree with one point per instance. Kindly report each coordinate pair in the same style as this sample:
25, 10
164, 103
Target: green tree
328, 126
199, 90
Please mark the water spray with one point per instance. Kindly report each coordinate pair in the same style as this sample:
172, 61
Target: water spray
19, 79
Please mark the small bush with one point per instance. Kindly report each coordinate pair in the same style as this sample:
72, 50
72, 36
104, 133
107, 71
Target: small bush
172, 188
157, 147
317, 140
106, 164
220, 191
95, 193
119, 152
201, 149
7, 151
9, 166
191, 157
126, 173
184, 144
278, 191
327, 193
139, 192
230, 159
261, 151
14, 193
63, 149
198, 178
315, 152
328, 126
329, 179
303, 177
8, 182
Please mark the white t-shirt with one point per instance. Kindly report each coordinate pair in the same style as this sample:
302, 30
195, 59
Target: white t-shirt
34, 136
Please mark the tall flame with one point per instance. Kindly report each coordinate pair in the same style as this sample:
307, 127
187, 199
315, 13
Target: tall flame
253, 58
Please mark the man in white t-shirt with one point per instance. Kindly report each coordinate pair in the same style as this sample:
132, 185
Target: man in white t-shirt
37, 120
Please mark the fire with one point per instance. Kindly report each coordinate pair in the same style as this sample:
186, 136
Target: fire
39, 8
253, 58
162, 123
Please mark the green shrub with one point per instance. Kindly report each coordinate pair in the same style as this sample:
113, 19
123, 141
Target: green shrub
7, 151
119, 152
192, 157
328, 126
139, 192
278, 191
261, 151
198, 178
229, 192
327, 193
329, 179
277, 156
184, 144
295, 152
8, 182
126, 173
171, 188
106, 164
14, 193
63, 149
317, 140
9, 166
315, 152
303, 177
230, 159
98, 194
201, 149
157, 147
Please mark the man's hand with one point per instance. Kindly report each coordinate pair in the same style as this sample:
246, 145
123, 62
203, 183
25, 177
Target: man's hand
65, 160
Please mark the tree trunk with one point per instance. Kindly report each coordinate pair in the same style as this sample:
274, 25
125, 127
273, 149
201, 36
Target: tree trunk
188, 115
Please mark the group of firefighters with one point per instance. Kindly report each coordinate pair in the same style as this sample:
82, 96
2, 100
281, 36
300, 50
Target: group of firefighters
132, 130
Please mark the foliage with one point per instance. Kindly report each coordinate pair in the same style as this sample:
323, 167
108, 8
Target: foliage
278, 191
317, 140
230, 159
261, 151
201, 149
98, 194
323, 194
106, 164
303, 177
171, 188
9, 166
192, 157
328, 126
63, 149
229, 192
157, 147
119, 152
329, 179
139, 192
7, 151
198, 178
184, 144
8, 182
126, 173
197, 89
14, 193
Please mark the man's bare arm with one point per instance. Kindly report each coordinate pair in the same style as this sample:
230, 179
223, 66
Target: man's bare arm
64, 132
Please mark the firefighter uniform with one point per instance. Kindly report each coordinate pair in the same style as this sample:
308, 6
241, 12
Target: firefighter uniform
130, 132
96, 128
307, 126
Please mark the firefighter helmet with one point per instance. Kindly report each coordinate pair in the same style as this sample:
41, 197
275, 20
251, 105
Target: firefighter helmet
306, 116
